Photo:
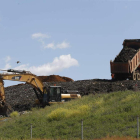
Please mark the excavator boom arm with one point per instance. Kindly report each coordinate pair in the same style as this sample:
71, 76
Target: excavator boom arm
21, 77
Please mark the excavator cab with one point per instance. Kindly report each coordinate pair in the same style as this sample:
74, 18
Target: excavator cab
50, 94
54, 93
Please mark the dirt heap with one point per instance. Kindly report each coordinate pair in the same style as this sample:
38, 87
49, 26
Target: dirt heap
54, 78
22, 97
126, 54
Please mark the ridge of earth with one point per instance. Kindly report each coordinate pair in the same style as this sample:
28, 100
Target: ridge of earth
22, 97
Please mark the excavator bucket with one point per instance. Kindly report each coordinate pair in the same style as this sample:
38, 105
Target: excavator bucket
5, 110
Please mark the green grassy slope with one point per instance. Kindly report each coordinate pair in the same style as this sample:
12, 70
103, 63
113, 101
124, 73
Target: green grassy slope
103, 114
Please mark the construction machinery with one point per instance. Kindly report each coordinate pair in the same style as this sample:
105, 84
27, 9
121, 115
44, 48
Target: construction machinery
126, 65
45, 96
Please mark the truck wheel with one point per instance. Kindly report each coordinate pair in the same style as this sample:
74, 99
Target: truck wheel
134, 76
138, 76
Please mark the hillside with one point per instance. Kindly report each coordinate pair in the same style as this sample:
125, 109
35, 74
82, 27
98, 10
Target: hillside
22, 97
112, 114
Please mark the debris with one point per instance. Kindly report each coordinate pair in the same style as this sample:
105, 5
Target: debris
16, 96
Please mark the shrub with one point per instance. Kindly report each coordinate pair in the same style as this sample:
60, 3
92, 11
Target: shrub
57, 114
14, 114
62, 113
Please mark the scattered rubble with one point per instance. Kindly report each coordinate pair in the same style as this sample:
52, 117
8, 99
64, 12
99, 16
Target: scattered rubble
22, 97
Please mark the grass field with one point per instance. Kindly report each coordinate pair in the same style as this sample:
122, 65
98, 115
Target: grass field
104, 116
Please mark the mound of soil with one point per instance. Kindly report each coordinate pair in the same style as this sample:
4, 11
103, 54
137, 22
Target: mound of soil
54, 78
22, 97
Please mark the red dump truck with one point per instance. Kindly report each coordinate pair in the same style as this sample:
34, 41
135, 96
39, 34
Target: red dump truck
126, 65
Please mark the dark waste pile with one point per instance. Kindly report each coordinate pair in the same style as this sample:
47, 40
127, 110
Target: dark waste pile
125, 54
22, 97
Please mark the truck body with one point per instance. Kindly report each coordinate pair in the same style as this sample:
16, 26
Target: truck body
126, 65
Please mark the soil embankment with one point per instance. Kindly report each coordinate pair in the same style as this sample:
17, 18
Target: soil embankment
22, 97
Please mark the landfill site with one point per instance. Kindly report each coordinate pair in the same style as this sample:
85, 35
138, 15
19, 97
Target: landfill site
22, 97
125, 72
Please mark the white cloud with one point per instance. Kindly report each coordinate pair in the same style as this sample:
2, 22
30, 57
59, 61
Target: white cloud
22, 67
7, 59
58, 64
7, 66
62, 45
40, 36
51, 45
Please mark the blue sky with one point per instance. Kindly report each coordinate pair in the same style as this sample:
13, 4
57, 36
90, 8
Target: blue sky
72, 38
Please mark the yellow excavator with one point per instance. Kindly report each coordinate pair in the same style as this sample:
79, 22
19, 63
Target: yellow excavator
45, 96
